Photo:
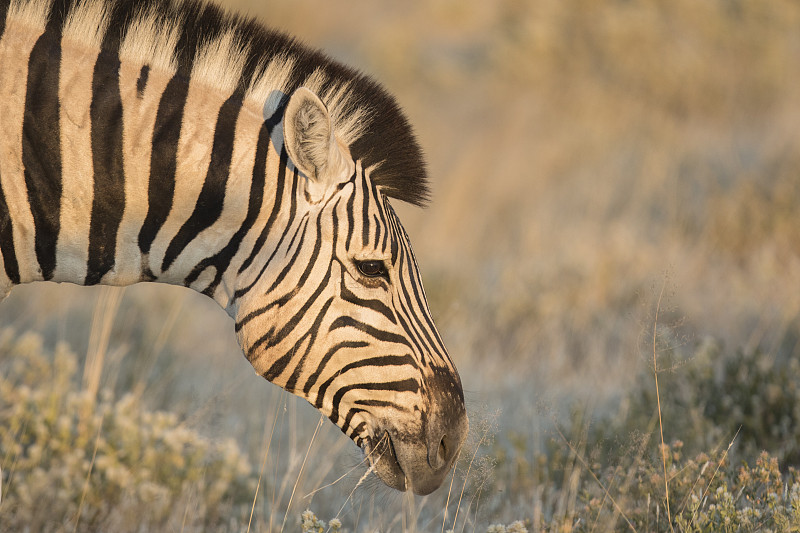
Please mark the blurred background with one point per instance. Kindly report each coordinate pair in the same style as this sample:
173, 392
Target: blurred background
612, 180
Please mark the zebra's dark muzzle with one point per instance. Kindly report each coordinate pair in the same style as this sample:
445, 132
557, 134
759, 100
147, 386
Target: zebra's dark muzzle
418, 456
418, 463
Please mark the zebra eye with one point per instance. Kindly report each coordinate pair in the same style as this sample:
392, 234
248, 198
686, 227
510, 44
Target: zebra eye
371, 269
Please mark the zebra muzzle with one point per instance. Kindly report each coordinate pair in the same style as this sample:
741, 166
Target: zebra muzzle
407, 462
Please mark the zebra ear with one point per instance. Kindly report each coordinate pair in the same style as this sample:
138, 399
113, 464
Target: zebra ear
310, 141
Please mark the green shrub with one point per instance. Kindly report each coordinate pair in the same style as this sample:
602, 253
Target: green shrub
708, 398
706, 494
109, 464
606, 473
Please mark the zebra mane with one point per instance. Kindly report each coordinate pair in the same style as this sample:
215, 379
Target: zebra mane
238, 55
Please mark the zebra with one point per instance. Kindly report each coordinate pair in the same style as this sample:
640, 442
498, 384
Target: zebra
172, 141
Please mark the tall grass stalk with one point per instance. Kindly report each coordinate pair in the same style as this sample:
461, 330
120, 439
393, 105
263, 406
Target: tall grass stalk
409, 512
300, 473
151, 357
337, 480
264, 461
450, 490
364, 475
658, 401
710, 481
316, 476
477, 499
484, 435
88, 474
579, 457
275, 480
185, 516
102, 322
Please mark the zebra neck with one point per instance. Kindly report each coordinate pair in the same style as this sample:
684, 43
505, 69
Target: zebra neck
114, 172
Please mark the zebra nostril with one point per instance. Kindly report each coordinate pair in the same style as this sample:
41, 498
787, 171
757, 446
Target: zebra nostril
438, 450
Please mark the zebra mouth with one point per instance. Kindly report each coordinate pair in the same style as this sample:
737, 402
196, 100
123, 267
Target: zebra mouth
383, 460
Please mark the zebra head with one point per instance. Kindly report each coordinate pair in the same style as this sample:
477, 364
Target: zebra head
339, 316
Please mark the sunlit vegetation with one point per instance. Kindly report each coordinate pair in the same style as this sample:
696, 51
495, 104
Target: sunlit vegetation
583, 154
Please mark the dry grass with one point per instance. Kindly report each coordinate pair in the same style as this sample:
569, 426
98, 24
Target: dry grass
578, 151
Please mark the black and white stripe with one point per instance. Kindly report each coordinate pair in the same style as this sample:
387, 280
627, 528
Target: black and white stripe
152, 140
